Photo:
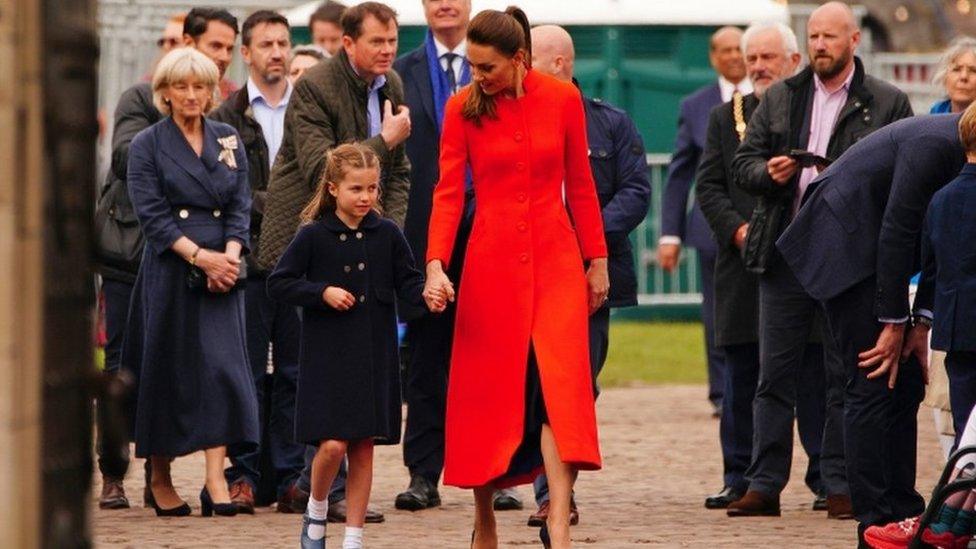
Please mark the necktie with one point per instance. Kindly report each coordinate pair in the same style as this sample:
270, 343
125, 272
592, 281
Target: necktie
451, 76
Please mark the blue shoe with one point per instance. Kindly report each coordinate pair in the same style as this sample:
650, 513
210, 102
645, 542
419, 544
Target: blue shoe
307, 542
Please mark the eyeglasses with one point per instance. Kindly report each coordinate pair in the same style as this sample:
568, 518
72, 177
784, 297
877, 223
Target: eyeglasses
167, 42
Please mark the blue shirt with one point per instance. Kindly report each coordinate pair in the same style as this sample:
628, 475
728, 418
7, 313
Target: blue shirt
374, 116
271, 119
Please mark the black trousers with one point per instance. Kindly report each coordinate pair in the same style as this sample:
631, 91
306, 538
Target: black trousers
735, 427
429, 338
880, 424
787, 317
117, 296
961, 369
714, 355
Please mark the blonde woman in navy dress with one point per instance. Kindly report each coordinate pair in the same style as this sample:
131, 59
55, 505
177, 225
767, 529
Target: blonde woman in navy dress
187, 179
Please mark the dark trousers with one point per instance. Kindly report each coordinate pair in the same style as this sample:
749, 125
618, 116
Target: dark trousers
787, 316
429, 338
715, 356
961, 369
271, 323
735, 426
337, 492
117, 296
880, 424
599, 344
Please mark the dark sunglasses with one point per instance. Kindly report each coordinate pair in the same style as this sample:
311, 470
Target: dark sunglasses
167, 42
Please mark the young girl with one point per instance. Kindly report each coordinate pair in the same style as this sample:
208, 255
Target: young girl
344, 268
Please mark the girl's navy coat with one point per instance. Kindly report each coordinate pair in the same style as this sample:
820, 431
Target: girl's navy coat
186, 348
349, 377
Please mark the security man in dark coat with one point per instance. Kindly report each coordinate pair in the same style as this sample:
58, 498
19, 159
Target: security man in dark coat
431, 74
771, 55
619, 167
853, 247
825, 109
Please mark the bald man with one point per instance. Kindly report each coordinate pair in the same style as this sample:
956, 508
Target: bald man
678, 226
620, 171
824, 110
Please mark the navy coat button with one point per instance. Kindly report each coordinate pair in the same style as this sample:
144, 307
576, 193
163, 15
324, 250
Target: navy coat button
216, 213
359, 235
184, 213
361, 266
342, 237
362, 299
347, 268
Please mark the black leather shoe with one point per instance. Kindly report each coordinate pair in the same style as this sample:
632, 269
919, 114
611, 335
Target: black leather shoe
722, 499
506, 499
422, 494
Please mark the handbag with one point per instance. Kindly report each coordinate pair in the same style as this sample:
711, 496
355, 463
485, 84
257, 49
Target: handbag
118, 239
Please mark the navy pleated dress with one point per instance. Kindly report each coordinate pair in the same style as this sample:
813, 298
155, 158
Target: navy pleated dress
186, 347
349, 371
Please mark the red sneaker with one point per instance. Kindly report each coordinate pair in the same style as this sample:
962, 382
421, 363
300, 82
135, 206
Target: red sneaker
895, 535
945, 540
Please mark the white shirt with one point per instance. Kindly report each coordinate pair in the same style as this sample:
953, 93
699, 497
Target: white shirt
727, 88
461, 50
271, 119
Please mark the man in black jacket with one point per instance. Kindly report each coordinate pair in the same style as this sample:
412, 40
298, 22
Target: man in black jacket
824, 110
771, 54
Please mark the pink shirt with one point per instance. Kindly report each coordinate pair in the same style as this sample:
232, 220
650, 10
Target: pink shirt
823, 118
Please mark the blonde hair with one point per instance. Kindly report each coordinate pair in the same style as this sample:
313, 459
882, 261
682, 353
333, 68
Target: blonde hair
179, 65
967, 128
338, 163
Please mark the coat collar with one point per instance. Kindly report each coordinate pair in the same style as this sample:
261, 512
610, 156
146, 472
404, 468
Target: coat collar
198, 167
420, 77
969, 169
357, 83
332, 222
805, 78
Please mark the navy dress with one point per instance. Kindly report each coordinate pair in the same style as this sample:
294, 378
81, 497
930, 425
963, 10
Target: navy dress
349, 372
186, 347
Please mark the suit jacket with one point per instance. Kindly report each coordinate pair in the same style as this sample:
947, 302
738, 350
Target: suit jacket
236, 111
619, 167
863, 215
726, 207
327, 108
949, 260
781, 123
688, 146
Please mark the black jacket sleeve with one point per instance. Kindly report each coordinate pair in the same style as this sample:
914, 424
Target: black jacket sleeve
713, 185
632, 189
287, 283
409, 281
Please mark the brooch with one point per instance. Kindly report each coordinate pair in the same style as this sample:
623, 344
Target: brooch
229, 145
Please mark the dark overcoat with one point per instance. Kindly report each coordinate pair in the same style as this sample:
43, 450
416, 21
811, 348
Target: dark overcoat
726, 207
349, 373
186, 346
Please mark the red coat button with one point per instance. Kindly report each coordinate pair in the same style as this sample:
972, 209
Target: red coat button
518, 136
520, 166
521, 197
522, 226
524, 258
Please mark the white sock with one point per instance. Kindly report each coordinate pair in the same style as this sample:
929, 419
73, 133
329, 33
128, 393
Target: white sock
318, 510
354, 538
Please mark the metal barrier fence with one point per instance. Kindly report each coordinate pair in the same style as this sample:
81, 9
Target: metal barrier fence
654, 286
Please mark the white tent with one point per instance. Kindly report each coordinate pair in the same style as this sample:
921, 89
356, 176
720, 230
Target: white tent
597, 12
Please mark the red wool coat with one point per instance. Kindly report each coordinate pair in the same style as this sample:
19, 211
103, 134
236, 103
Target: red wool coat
523, 279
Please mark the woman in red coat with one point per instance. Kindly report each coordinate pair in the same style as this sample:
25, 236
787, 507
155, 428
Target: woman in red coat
519, 393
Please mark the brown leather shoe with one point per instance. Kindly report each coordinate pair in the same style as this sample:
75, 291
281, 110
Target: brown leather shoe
294, 500
839, 507
113, 495
538, 518
242, 496
754, 504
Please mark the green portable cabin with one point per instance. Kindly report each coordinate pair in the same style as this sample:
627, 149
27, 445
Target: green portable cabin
641, 55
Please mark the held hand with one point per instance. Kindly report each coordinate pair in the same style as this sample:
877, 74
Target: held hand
598, 282
917, 343
436, 300
338, 299
739, 239
438, 289
219, 267
781, 169
668, 255
395, 128
885, 352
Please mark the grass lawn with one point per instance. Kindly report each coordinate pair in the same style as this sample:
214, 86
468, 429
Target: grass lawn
654, 353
